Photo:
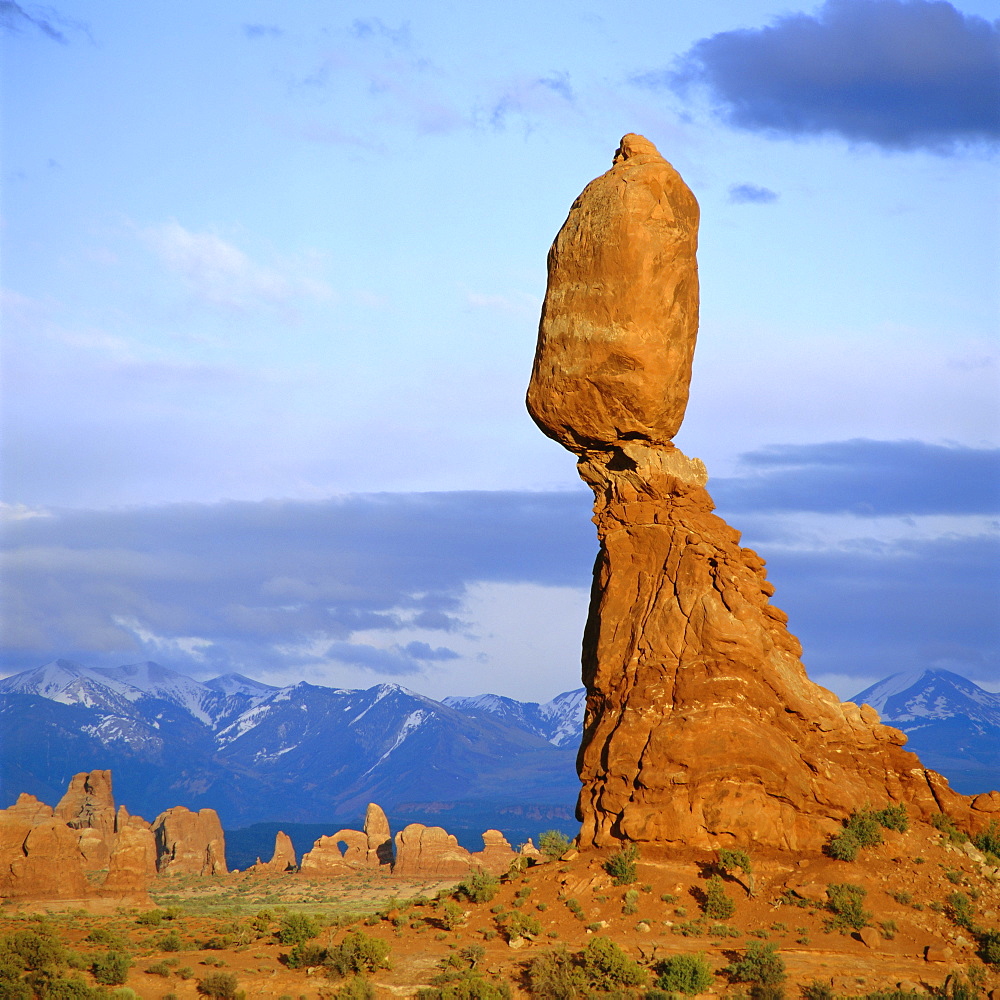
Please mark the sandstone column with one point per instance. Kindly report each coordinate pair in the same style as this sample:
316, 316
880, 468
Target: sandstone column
701, 726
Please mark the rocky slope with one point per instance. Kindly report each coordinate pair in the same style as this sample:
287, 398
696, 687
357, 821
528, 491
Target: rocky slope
701, 727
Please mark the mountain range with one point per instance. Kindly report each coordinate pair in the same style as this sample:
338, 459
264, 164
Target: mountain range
315, 756
952, 724
298, 754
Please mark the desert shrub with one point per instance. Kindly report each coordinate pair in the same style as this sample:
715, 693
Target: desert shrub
717, 904
574, 907
32, 950
357, 953
73, 988
158, 969
894, 818
845, 901
554, 843
305, 954
554, 975
843, 846
109, 938
219, 985
356, 988
449, 915
817, 991
989, 947
518, 925
621, 865
953, 876
889, 929
479, 886
170, 941
731, 860
959, 909
111, 968
630, 902
690, 974
467, 985
988, 840
608, 968
296, 928
865, 827
217, 942
945, 825
761, 965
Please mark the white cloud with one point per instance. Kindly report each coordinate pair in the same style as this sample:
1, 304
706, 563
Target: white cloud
223, 275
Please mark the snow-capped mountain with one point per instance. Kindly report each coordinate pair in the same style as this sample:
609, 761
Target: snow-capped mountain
952, 724
255, 752
560, 721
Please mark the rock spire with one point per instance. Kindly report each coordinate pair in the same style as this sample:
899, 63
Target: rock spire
701, 725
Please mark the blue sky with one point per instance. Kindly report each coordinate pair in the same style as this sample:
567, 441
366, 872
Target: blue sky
272, 275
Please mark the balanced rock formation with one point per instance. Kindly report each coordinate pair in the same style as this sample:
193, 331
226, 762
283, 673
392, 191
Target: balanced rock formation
89, 806
379, 836
431, 850
701, 725
189, 843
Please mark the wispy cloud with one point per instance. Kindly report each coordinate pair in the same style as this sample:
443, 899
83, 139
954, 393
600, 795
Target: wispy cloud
255, 31
15, 17
220, 274
901, 74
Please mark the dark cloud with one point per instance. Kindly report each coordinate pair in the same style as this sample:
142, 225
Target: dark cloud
255, 31
743, 193
866, 478
253, 578
902, 74
872, 609
245, 586
14, 18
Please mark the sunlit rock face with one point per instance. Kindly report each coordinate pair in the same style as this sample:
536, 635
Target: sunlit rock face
701, 725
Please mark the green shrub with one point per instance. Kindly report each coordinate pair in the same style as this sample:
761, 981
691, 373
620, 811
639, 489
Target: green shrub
621, 866
467, 985
946, 826
296, 928
170, 942
732, 860
717, 904
479, 886
111, 968
894, 818
219, 985
519, 925
356, 988
843, 846
554, 843
554, 975
357, 953
988, 840
844, 901
60, 988
449, 915
817, 991
630, 902
690, 974
607, 968
960, 910
761, 965
31, 950
158, 969
574, 907
989, 947
306, 954
866, 828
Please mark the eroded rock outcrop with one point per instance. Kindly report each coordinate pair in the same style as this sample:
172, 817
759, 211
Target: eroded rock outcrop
89, 807
326, 857
40, 856
379, 836
701, 725
189, 843
431, 850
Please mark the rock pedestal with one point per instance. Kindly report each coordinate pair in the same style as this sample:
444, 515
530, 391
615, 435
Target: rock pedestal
701, 725
189, 843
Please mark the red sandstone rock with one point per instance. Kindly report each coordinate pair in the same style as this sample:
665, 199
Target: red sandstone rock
132, 863
326, 857
497, 855
28, 808
701, 726
282, 859
39, 857
89, 806
431, 850
379, 836
189, 843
